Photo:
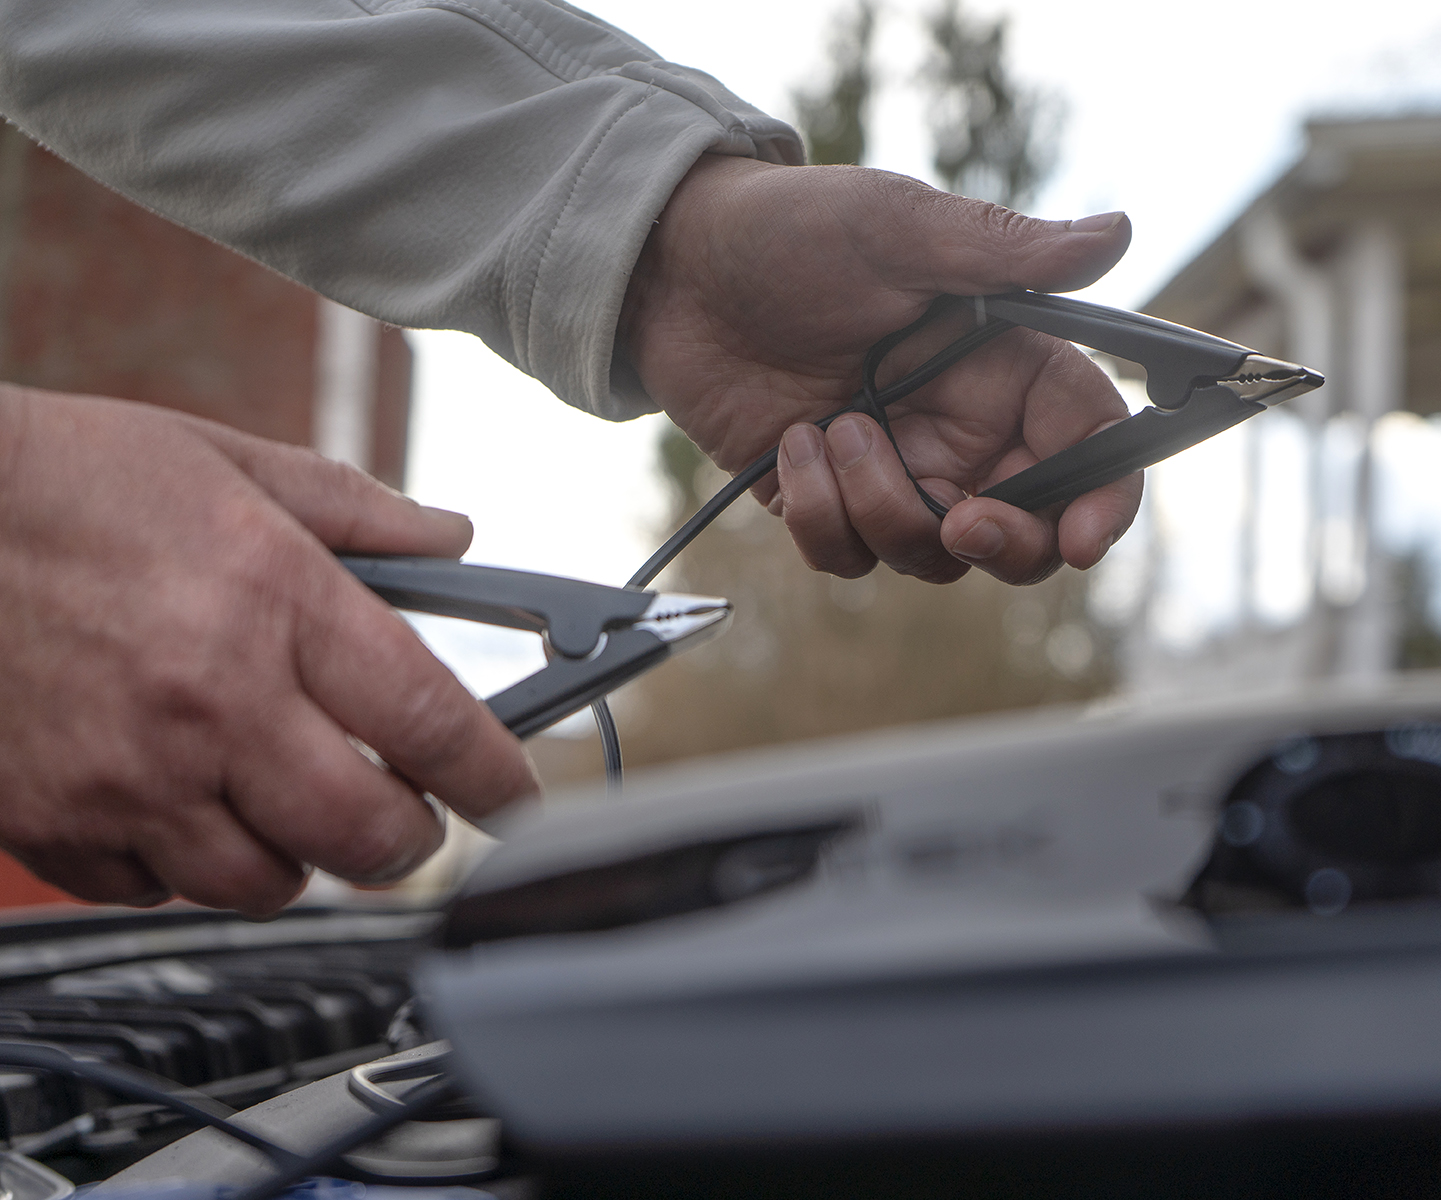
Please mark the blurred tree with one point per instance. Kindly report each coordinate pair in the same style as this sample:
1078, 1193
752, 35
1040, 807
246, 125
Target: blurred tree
680, 462
994, 139
832, 118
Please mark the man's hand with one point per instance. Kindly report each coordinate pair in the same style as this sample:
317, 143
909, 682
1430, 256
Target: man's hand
760, 290
184, 661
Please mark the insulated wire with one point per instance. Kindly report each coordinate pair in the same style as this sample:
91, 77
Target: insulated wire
292, 1167
871, 400
609, 744
128, 1082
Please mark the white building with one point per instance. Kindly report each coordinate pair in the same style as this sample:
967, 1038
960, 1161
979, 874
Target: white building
1269, 555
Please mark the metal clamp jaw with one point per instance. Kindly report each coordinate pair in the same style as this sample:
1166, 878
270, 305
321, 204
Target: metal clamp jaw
1199, 385
596, 637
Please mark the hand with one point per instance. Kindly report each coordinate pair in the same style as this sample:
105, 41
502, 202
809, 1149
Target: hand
761, 288
181, 661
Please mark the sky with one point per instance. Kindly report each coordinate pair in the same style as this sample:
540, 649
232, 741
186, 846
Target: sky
1178, 114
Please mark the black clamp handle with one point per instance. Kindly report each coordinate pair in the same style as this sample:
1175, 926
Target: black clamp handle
587, 625
1182, 369
1131, 444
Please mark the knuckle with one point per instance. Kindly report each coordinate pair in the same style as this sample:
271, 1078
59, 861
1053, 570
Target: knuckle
933, 570
843, 555
883, 491
271, 572
264, 898
265, 557
1038, 574
247, 883
145, 897
136, 895
998, 221
803, 517
520, 778
95, 875
843, 566
866, 500
343, 822
354, 494
511, 776
320, 782
380, 851
434, 725
811, 561
183, 684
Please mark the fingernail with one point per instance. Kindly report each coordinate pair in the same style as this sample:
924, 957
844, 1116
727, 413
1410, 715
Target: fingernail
981, 541
802, 445
850, 441
458, 522
1096, 224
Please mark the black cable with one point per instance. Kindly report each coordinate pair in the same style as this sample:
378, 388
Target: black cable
708, 512
126, 1081
609, 744
419, 1100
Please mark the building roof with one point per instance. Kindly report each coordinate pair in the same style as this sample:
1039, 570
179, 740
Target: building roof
1386, 168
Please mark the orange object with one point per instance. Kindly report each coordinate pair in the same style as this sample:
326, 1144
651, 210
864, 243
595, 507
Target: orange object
20, 889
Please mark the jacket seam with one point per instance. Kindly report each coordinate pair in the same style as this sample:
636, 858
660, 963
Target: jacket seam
550, 236
521, 32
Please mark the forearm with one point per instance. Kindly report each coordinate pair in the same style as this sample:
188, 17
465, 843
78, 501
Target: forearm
490, 166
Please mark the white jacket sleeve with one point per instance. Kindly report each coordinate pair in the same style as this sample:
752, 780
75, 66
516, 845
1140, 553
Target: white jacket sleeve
486, 165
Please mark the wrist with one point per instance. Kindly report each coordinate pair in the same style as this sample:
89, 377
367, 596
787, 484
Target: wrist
675, 261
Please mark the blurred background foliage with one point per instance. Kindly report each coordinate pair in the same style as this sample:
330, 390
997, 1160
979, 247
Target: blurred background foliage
832, 116
994, 139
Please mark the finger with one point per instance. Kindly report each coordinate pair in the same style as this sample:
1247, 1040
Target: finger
882, 503
316, 799
767, 492
1092, 523
1019, 399
1066, 399
1007, 542
367, 669
813, 508
236, 870
970, 247
344, 507
1069, 397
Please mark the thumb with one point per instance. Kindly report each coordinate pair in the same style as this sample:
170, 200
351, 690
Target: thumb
970, 247
344, 507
